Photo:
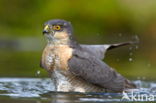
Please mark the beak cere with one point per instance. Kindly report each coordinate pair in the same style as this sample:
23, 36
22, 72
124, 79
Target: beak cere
46, 29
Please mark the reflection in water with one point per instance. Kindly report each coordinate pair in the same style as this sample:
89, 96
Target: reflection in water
36, 90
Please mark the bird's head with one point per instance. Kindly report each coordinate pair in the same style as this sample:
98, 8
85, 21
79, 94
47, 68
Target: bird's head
58, 31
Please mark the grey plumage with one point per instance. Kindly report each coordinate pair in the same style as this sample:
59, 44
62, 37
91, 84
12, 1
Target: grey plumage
75, 67
93, 70
100, 50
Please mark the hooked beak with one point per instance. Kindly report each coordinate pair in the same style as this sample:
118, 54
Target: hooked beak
46, 29
45, 32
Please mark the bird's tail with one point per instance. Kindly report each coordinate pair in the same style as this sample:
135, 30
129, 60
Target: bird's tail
112, 46
132, 42
129, 84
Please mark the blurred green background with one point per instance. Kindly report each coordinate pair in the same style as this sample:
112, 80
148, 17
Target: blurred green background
94, 22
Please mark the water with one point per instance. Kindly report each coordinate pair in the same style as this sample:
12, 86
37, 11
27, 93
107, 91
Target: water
130, 59
37, 90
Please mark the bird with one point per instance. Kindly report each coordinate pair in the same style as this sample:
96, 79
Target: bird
75, 67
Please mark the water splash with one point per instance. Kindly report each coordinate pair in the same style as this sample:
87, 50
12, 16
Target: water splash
38, 72
130, 48
41, 88
130, 54
117, 59
136, 47
120, 34
149, 65
24, 87
136, 39
130, 59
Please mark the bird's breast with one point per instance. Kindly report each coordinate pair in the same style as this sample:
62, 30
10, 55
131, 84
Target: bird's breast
65, 81
56, 57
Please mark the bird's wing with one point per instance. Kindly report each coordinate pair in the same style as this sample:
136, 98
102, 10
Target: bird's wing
93, 70
100, 50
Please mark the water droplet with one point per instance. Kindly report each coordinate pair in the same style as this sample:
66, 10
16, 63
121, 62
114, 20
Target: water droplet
120, 35
38, 72
136, 39
136, 47
130, 53
149, 65
143, 78
109, 96
130, 59
98, 34
130, 48
117, 59
138, 78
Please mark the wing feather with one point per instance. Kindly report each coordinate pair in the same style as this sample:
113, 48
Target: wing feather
100, 50
95, 71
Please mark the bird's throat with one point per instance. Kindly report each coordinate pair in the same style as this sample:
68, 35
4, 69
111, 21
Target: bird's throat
59, 38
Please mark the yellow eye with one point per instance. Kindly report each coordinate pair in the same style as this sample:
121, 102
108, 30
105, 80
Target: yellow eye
56, 27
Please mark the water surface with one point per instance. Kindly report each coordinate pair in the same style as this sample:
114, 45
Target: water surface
37, 90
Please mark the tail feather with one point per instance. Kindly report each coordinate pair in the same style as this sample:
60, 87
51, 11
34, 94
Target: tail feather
129, 85
112, 46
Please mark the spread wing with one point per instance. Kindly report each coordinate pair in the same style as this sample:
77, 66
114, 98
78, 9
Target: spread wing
100, 50
93, 70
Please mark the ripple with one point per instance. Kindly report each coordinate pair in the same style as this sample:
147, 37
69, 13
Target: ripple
24, 87
42, 88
